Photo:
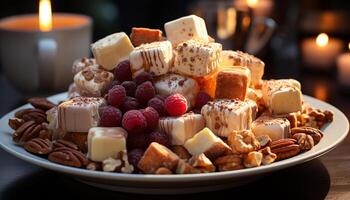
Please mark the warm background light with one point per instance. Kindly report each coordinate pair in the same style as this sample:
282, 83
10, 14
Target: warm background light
45, 15
349, 46
322, 40
252, 3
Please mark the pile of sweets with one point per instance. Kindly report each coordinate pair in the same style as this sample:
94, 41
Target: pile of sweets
170, 105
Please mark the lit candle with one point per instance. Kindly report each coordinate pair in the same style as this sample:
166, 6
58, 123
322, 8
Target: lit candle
260, 7
45, 15
321, 53
343, 62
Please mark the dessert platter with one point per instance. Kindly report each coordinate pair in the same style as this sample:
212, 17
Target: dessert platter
174, 114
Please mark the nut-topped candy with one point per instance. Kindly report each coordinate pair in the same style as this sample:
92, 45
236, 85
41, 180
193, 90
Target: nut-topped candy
275, 127
92, 81
186, 28
111, 50
232, 83
194, 58
282, 96
82, 63
223, 116
237, 58
79, 114
155, 57
105, 142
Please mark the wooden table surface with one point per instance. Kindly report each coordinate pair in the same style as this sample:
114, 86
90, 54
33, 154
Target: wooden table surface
326, 177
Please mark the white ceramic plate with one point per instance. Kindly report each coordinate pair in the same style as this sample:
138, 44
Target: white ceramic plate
335, 132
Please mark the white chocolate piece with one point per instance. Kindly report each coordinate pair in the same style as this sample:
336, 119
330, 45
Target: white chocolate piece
92, 81
155, 57
282, 96
232, 83
111, 50
223, 116
231, 58
205, 141
275, 127
186, 28
194, 58
79, 114
106, 142
172, 83
180, 129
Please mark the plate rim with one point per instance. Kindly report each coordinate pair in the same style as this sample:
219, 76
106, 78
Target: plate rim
176, 177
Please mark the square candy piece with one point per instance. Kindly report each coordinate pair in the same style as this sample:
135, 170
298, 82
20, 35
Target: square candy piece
106, 142
79, 114
155, 57
194, 58
109, 51
223, 116
275, 127
145, 35
186, 28
282, 96
180, 129
237, 58
92, 81
157, 156
232, 83
208, 143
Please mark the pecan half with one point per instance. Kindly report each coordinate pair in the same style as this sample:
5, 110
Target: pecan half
68, 156
229, 162
315, 133
41, 103
64, 143
306, 142
38, 146
15, 123
31, 114
26, 132
285, 148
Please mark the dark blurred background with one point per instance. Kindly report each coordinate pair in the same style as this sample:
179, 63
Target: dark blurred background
296, 20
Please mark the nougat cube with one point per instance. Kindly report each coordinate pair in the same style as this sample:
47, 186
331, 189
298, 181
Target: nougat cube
181, 128
173, 83
275, 127
186, 28
92, 81
205, 141
207, 83
223, 116
231, 58
194, 58
155, 57
79, 114
156, 156
282, 96
106, 142
232, 83
140, 36
112, 49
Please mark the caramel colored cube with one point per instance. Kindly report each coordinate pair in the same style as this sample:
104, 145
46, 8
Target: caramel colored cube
145, 35
232, 83
157, 156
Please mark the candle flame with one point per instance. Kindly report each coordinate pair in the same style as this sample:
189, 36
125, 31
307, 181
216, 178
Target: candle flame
252, 3
322, 39
349, 46
45, 15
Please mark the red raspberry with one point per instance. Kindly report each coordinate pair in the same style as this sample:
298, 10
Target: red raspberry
130, 88
136, 141
116, 95
158, 105
143, 77
175, 104
123, 71
130, 103
110, 86
110, 116
159, 137
134, 121
152, 117
202, 99
145, 92
134, 156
